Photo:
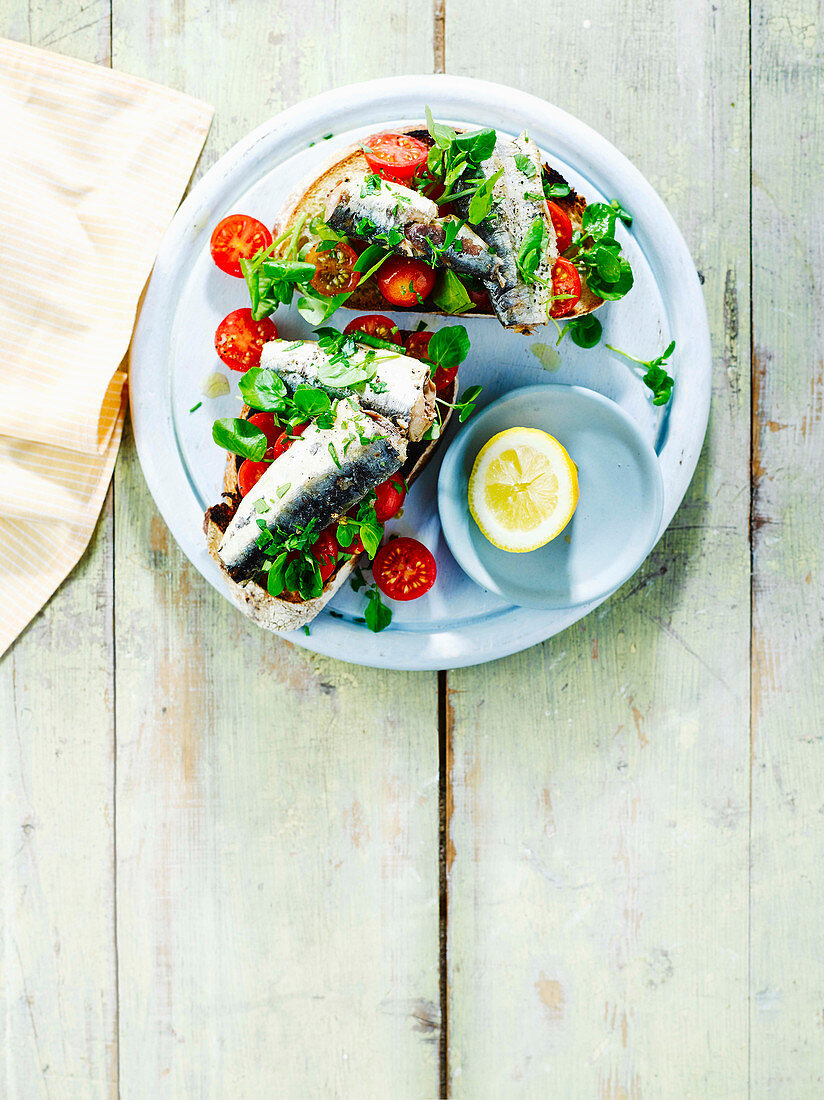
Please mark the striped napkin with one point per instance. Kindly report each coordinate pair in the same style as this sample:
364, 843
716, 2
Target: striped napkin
93, 166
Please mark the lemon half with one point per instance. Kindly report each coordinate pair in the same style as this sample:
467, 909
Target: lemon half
523, 489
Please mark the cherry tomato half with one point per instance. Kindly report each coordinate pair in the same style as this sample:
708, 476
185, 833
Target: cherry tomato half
334, 269
239, 339
250, 474
268, 425
417, 345
237, 238
405, 282
389, 498
395, 156
404, 569
565, 281
375, 324
479, 295
325, 551
562, 225
285, 441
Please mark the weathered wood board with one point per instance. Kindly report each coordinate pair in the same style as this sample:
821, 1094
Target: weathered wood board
277, 812
598, 887
57, 951
220, 857
787, 985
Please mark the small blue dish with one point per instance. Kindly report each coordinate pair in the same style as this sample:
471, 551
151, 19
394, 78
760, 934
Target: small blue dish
619, 509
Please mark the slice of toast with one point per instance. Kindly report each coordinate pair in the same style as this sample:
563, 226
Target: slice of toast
308, 201
288, 611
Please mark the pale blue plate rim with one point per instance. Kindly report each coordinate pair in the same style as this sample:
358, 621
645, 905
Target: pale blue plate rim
457, 523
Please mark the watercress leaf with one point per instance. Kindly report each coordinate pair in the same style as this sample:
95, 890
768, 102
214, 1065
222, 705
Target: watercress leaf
371, 539
477, 146
311, 402
370, 260
607, 264
622, 213
289, 271
524, 164
657, 379
291, 579
612, 291
275, 580
481, 202
240, 437
556, 190
377, 614
584, 331
471, 394
442, 135
450, 294
316, 309
598, 220
669, 350
262, 389
531, 250
448, 346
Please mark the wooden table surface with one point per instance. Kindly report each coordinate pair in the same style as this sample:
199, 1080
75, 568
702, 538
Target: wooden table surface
231, 868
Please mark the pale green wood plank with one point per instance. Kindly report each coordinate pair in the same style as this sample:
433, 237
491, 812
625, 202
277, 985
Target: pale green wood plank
57, 952
277, 812
598, 894
787, 1010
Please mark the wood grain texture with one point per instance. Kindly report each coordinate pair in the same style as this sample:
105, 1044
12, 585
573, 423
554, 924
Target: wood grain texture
787, 1007
277, 812
57, 952
598, 890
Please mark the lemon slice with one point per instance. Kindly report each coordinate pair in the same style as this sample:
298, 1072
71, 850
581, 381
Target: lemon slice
523, 489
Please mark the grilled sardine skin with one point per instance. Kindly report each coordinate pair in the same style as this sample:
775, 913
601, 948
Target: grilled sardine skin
372, 216
403, 384
307, 483
514, 211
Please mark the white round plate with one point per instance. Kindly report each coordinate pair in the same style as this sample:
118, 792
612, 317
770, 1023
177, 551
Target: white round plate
457, 623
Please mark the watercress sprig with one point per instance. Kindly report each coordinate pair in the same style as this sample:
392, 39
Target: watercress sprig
655, 377
376, 614
364, 523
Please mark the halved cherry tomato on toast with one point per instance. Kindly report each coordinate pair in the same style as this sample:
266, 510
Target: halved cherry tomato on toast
268, 425
250, 474
286, 440
334, 269
395, 157
479, 295
417, 345
404, 569
565, 281
562, 224
389, 498
375, 324
405, 282
239, 339
238, 237
325, 551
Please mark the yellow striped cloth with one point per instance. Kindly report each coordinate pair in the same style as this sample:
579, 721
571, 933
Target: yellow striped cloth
93, 166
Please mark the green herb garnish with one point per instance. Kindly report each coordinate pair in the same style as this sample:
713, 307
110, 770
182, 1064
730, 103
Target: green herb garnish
377, 615
655, 377
240, 437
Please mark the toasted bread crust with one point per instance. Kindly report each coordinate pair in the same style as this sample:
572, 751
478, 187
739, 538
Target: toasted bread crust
308, 200
288, 611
